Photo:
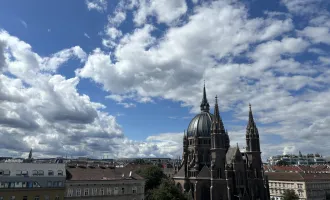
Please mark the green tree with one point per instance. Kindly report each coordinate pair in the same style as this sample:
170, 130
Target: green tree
153, 176
166, 191
327, 197
290, 195
282, 163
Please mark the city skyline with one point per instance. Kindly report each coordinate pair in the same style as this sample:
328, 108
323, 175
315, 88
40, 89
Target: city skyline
124, 78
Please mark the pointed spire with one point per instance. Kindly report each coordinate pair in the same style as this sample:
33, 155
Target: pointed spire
217, 124
205, 106
251, 126
30, 154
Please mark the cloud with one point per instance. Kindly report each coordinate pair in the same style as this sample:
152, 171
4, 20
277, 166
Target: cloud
46, 112
86, 35
98, 5
24, 23
243, 59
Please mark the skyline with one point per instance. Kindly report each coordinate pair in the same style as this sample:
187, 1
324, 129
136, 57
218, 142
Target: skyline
124, 78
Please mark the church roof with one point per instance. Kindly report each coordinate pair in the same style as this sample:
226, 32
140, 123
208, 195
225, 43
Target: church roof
204, 173
233, 154
200, 125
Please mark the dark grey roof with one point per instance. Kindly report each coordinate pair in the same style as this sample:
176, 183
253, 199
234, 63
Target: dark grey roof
204, 173
232, 153
200, 125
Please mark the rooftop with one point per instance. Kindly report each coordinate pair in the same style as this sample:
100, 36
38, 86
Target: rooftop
98, 173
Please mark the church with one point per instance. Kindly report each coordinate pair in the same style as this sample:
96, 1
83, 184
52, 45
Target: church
213, 170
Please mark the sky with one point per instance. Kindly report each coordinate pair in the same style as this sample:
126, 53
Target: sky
123, 78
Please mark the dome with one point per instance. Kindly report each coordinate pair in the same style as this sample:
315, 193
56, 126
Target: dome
200, 125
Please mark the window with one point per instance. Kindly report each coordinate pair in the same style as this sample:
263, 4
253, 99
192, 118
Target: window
108, 191
60, 184
1, 173
70, 192
40, 172
123, 190
24, 172
60, 172
50, 173
46, 197
86, 192
78, 192
36, 198
35, 172
25, 198
12, 197
134, 189
57, 197
6, 172
102, 191
94, 191
55, 184
115, 190
18, 172
49, 184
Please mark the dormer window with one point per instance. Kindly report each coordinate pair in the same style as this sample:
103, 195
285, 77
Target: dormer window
24, 172
60, 172
18, 172
1, 172
35, 172
50, 173
40, 172
6, 172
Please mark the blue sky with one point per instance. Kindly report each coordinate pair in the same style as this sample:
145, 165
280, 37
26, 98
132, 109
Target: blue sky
124, 78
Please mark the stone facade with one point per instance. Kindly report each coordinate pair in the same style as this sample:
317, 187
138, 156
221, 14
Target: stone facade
32, 181
211, 169
308, 186
103, 184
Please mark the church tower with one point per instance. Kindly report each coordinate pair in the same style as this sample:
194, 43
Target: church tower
218, 155
253, 152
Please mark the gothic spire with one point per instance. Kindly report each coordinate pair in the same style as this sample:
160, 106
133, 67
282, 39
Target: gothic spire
30, 154
205, 106
251, 127
217, 124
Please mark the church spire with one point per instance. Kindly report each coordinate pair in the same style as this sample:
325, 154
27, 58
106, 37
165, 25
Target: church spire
251, 126
205, 106
217, 124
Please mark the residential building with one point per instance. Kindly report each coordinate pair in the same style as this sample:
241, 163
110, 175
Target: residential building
300, 159
308, 186
211, 169
89, 182
32, 181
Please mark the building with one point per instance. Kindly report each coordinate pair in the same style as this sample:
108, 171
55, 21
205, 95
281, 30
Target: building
89, 182
32, 181
211, 169
308, 186
309, 159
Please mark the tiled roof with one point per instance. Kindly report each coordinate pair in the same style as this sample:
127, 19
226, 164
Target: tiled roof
100, 174
284, 176
299, 168
293, 176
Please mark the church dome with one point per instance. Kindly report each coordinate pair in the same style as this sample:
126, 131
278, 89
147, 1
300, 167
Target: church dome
200, 125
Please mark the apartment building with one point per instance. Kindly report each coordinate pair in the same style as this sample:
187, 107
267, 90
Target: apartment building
32, 181
89, 182
308, 186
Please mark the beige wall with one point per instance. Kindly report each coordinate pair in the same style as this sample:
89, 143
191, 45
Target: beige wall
105, 190
306, 191
31, 193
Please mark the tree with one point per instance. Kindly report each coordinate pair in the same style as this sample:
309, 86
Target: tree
166, 190
153, 176
282, 163
290, 195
